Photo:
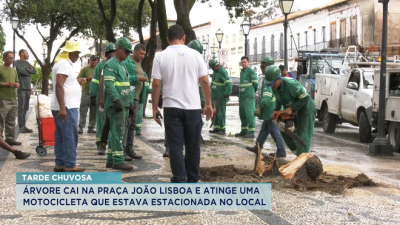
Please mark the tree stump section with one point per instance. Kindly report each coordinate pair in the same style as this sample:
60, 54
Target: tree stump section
304, 166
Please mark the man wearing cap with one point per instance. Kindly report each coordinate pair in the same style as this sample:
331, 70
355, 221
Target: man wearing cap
95, 96
285, 73
247, 90
64, 106
86, 74
117, 83
133, 67
267, 106
221, 88
293, 97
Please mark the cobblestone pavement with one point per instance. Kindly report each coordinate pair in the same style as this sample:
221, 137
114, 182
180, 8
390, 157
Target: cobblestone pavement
372, 205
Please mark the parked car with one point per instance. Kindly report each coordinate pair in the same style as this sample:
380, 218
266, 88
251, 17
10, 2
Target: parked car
235, 86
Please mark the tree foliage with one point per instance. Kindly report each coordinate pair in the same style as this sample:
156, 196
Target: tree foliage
2, 39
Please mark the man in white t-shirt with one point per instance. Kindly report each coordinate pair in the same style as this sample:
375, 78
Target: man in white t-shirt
180, 69
65, 106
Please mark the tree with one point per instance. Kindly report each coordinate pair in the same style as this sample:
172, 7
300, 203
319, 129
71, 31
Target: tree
162, 23
2, 39
182, 8
54, 15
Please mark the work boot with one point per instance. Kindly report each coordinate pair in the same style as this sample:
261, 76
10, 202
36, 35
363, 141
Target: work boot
122, 166
27, 130
24, 130
166, 153
101, 150
109, 165
20, 155
213, 131
248, 136
221, 132
138, 133
277, 155
252, 149
239, 134
58, 169
75, 169
13, 142
80, 131
91, 131
131, 153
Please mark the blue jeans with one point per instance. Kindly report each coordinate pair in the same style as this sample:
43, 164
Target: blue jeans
268, 127
183, 127
66, 138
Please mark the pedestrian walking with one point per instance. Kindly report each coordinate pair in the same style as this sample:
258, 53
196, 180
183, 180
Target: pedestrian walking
25, 70
290, 94
94, 94
117, 101
267, 106
64, 106
180, 69
247, 90
86, 76
133, 67
221, 88
8, 98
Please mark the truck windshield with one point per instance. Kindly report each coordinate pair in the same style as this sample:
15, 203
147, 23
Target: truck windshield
325, 64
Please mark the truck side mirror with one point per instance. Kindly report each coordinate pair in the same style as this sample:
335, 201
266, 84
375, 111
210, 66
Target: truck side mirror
352, 85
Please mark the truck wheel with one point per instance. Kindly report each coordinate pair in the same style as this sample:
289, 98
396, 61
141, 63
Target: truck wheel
328, 122
364, 128
394, 135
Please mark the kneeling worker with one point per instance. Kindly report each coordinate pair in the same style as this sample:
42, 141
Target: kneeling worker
290, 94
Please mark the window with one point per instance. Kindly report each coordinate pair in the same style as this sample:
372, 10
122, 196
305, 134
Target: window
315, 39
323, 36
281, 40
263, 47
255, 47
202, 37
291, 46
273, 46
240, 49
240, 38
213, 41
306, 39
298, 41
233, 51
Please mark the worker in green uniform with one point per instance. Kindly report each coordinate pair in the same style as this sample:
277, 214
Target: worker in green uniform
117, 101
290, 94
146, 90
87, 74
221, 88
198, 46
95, 96
247, 91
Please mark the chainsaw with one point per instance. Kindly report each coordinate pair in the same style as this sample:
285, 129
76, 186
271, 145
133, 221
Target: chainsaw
287, 124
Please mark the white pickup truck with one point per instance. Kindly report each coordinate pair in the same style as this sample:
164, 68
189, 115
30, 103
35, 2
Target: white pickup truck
345, 97
392, 106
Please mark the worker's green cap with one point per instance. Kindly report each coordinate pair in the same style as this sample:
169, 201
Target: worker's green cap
196, 45
124, 43
110, 47
213, 63
269, 60
272, 74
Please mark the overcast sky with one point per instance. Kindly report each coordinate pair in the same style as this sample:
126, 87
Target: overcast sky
200, 13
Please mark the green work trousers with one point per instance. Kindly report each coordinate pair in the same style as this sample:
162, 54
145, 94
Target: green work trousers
83, 110
8, 113
219, 123
115, 153
100, 120
246, 114
139, 119
305, 130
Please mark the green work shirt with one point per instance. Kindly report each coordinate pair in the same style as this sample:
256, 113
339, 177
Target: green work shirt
145, 91
84, 73
130, 67
116, 82
221, 84
291, 94
248, 84
94, 85
8, 75
267, 104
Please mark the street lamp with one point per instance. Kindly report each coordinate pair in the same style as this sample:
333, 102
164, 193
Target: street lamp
245, 26
220, 35
214, 50
14, 24
286, 7
44, 46
205, 47
381, 145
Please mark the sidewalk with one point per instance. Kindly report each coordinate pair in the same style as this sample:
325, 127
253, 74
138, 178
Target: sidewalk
372, 205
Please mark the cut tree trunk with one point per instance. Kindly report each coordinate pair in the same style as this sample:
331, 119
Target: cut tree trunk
304, 166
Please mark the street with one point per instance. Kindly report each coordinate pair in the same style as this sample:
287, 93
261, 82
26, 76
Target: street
340, 153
